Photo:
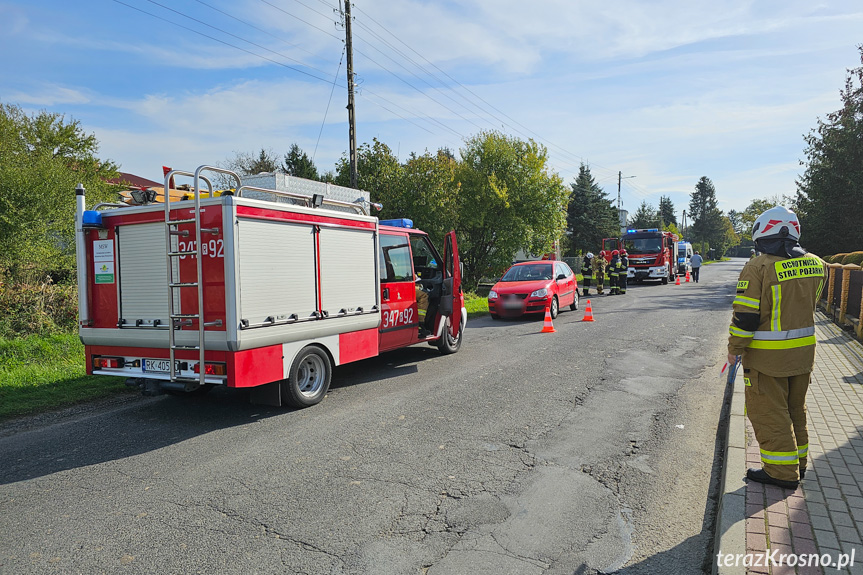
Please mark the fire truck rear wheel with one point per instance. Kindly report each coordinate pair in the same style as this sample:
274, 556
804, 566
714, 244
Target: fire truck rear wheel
309, 378
449, 344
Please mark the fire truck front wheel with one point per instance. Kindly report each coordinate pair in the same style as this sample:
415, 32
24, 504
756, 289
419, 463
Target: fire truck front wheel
309, 378
448, 343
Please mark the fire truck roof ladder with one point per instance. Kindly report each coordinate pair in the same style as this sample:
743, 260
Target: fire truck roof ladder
177, 320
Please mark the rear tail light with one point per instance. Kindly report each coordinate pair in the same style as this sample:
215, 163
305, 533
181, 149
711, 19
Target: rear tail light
212, 369
108, 362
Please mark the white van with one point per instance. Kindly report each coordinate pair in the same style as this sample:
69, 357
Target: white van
684, 255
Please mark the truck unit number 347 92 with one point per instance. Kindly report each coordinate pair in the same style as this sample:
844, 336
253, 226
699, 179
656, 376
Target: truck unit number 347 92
212, 248
396, 318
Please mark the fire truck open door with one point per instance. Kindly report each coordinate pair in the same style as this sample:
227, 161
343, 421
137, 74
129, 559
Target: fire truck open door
451, 293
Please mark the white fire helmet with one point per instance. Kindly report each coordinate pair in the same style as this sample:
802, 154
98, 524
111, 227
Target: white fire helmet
776, 222
589, 255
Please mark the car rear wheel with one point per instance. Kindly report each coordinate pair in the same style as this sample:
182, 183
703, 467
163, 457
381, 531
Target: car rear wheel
309, 378
555, 307
574, 305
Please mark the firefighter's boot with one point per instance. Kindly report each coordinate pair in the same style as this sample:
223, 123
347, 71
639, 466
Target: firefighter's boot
762, 476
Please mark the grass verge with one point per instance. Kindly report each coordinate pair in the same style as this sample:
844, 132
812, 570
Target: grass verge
38, 373
475, 305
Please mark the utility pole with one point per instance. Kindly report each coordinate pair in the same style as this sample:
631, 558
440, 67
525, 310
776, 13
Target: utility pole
619, 178
352, 119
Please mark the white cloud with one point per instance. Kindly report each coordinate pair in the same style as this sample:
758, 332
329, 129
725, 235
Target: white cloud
50, 95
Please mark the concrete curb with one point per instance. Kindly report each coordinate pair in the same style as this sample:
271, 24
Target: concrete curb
731, 513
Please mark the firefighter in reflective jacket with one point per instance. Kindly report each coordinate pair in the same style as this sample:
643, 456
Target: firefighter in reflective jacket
624, 269
614, 272
599, 268
586, 273
773, 328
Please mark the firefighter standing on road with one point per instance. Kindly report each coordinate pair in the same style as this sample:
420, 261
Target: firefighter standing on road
773, 328
614, 272
624, 270
586, 273
599, 268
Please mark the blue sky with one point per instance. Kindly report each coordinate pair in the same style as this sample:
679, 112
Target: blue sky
666, 91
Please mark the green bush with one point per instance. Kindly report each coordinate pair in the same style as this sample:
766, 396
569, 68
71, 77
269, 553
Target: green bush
837, 258
38, 308
853, 258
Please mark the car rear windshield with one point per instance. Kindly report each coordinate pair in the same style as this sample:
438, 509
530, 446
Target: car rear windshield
527, 273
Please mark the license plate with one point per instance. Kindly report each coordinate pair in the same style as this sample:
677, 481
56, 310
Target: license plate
516, 304
160, 365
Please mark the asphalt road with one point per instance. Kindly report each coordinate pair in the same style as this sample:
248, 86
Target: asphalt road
589, 450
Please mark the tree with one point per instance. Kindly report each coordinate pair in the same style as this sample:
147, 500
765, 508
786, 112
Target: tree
673, 229
727, 239
379, 173
666, 211
590, 214
508, 200
707, 227
246, 164
430, 193
42, 159
645, 216
297, 163
736, 220
830, 191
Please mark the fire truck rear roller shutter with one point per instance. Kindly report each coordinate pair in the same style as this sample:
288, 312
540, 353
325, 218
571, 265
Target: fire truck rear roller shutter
143, 273
347, 270
276, 270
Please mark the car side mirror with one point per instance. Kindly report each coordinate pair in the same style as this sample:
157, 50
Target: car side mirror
561, 276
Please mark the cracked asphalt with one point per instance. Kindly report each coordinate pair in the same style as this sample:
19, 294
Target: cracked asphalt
594, 449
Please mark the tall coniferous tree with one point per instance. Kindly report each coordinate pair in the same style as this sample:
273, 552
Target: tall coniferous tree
830, 191
666, 211
707, 225
646, 216
590, 214
297, 163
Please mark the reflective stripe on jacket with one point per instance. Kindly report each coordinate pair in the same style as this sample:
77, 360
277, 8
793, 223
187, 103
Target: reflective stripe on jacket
773, 326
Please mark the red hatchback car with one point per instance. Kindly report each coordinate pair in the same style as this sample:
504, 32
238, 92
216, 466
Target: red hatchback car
530, 287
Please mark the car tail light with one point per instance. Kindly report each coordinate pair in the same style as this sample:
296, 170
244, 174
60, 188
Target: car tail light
212, 369
108, 362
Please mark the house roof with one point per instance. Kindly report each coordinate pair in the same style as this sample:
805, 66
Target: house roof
134, 180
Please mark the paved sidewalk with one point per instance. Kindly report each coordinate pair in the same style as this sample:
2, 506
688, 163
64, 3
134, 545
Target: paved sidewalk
824, 516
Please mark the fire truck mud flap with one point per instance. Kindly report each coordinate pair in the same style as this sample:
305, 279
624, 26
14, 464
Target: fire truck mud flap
267, 394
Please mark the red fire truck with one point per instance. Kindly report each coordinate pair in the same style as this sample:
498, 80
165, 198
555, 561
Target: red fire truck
652, 254
256, 288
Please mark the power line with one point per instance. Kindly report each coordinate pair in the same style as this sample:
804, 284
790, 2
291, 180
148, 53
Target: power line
330, 101
235, 36
219, 40
270, 4
261, 30
540, 138
415, 76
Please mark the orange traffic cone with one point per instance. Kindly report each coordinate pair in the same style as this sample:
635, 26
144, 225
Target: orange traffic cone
677, 282
687, 276
547, 326
588, 312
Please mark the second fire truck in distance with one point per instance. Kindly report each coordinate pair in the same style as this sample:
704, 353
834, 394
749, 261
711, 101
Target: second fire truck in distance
652, 254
